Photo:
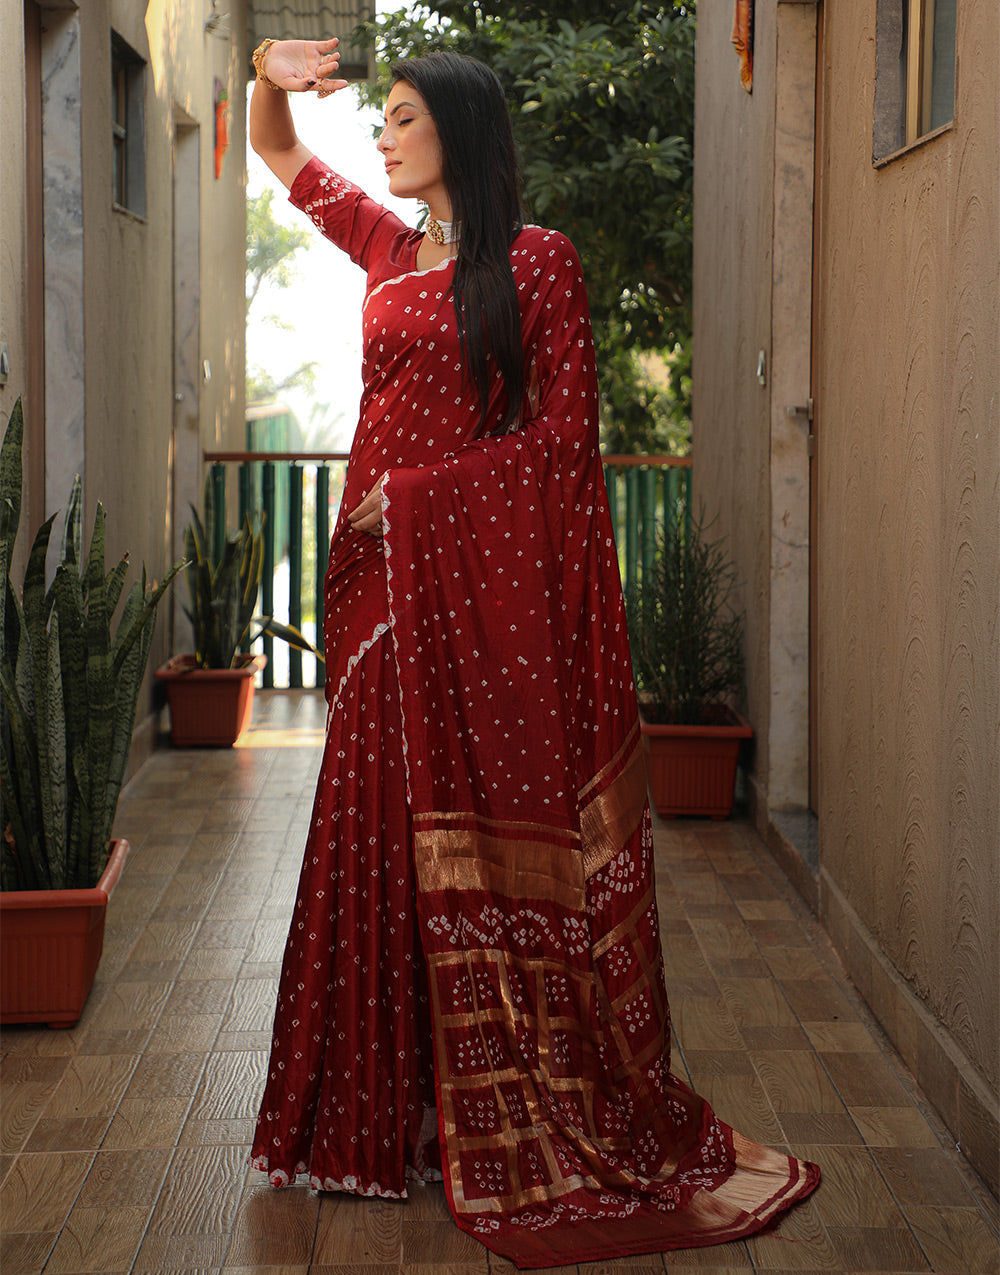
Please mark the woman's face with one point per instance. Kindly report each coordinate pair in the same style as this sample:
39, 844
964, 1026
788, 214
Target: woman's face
410, 145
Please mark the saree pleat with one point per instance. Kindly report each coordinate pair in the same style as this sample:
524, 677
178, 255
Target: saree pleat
350, 1076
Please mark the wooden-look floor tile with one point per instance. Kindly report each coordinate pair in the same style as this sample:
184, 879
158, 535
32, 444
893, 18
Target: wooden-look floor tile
22, 1252
796, 963
273, 1228
500, 1266
251, 1007
827, 1128
125, 1177
704, 1022
92, 1085
213, 962
853, 1192
148, 1122
796, 1080
230, 1085
801, 1243
103, 1240
864, 1079
350, 1268
218, 1131
841, 1037
131, 1006
226, 934
740, 1101
955, 1240
894, 1127
275, 1270
683, 958
923, 1176
181, 1033
39, 1190
127, 1042
358, 1230
705, 1063
165, 940
425, 1244
66, 1133
757, 1002
768, 909
31, 1069
815, 1000
748, 886
201, 1192
868, 1248
723, 941
769, 1038
167, 1075
183, 1254
20, 1108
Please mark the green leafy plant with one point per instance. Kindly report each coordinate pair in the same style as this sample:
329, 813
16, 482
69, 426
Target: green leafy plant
686, 637
70, 682
223, 590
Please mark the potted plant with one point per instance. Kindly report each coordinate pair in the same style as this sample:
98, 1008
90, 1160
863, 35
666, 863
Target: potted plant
210, 690
69, 682
687, 652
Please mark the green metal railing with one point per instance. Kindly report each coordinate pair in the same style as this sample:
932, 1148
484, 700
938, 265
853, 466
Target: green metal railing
299, 493
642, 492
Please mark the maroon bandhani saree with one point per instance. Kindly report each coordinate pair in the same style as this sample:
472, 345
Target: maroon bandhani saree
473, 983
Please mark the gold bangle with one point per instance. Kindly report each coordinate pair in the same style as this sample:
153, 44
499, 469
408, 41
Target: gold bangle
259, 54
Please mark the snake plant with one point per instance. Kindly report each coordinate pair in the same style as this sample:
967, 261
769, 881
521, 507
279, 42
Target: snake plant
70, 681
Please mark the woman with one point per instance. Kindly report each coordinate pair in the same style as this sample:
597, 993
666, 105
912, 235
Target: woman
473, 982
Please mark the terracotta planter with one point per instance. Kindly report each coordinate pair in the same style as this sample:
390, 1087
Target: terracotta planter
50, 946
692, 769
209, 707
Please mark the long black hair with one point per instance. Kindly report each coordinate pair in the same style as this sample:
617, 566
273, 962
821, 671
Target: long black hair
481, 172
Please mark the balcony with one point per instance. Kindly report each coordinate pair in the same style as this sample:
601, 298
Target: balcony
125, 1138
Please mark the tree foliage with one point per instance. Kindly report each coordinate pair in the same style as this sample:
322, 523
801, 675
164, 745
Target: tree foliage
603, 111
271, 248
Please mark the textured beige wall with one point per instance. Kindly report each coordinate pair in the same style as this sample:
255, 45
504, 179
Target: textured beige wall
12, 229
734, 131
130, 283
110, 275
907, 387
909, 538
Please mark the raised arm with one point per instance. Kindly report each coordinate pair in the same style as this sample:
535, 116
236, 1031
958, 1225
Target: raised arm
288, 66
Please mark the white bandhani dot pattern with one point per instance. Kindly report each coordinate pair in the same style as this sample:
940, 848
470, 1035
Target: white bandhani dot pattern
480, 841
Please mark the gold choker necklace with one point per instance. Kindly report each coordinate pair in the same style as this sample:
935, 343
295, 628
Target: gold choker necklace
441, 232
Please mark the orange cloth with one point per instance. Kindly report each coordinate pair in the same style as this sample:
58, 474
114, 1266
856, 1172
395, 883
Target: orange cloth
742, 38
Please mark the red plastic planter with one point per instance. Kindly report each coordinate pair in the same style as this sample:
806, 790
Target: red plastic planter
209, 707
692, 769
50, 946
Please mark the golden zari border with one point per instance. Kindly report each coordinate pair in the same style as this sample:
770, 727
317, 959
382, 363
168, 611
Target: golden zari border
515, 866
611, 815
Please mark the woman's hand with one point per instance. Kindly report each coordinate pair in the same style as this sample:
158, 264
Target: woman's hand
368, 515
303, 66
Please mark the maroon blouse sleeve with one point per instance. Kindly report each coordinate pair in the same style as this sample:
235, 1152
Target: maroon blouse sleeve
372, 236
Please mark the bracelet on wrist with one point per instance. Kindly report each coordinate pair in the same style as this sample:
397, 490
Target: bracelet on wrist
259, 54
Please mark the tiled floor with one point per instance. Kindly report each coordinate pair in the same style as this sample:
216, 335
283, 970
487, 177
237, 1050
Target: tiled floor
124, 1139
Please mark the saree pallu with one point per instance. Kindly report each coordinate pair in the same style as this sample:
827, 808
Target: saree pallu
564, 1136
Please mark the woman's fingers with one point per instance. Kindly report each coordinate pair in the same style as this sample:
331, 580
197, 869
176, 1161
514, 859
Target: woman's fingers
368, 515
303, 66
